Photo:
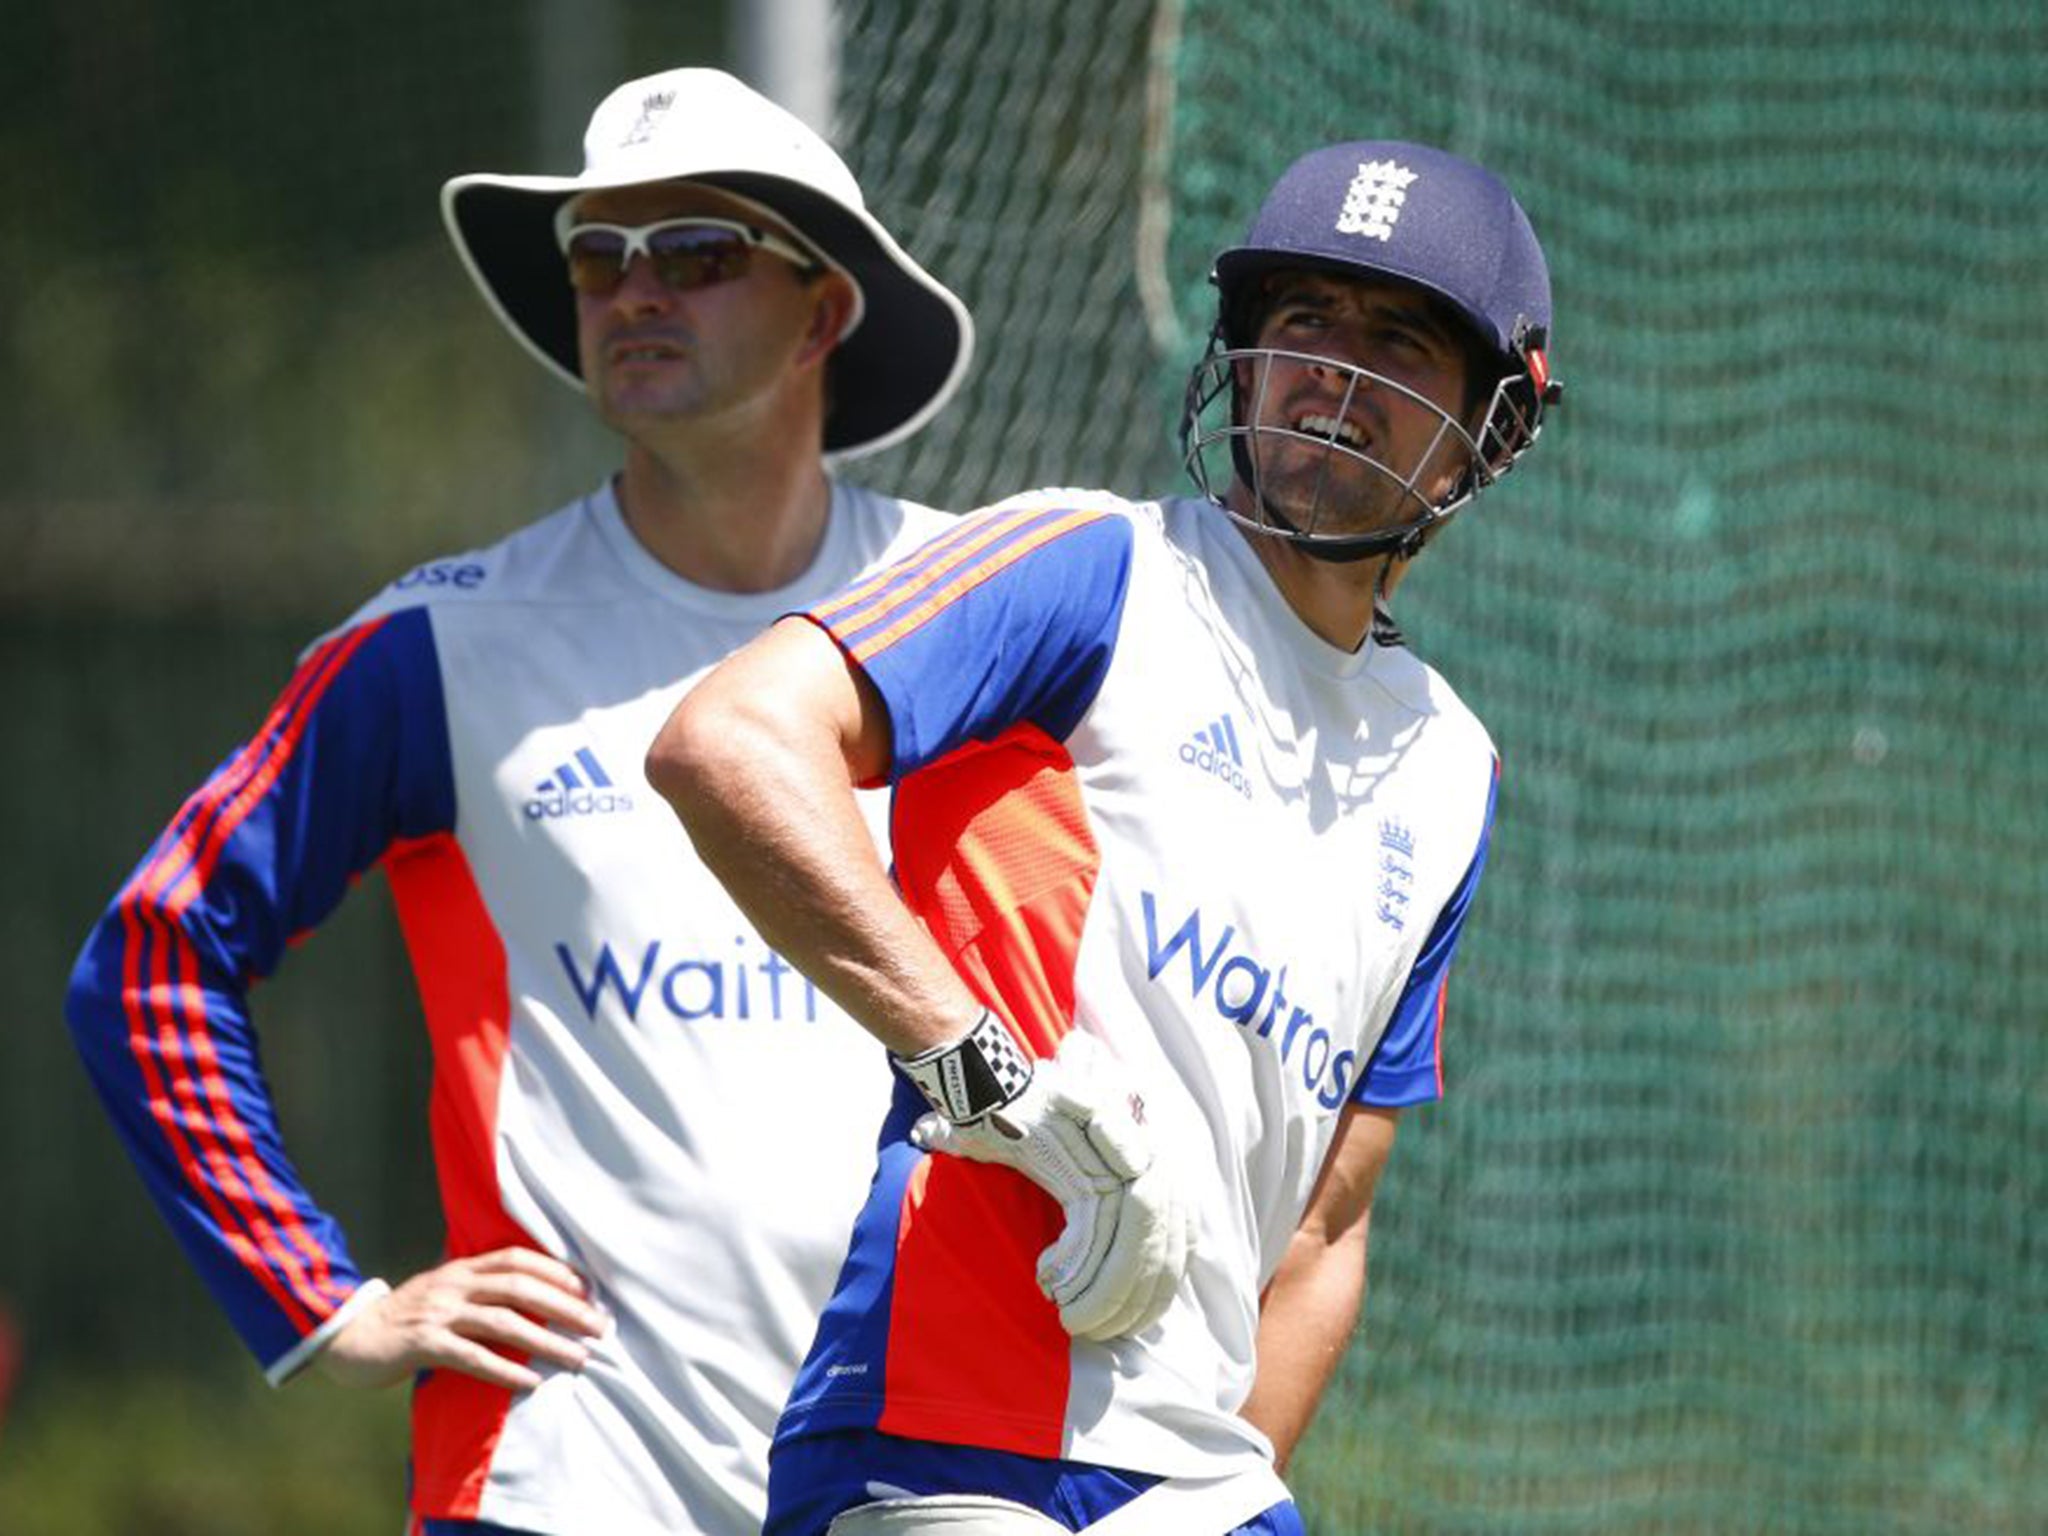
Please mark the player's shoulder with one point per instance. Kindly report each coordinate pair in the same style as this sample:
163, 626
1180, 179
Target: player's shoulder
1416, 686
881, 527
534, 562
1079, 501
1051, 513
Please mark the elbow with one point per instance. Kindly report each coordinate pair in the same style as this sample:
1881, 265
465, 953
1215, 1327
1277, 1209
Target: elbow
763, 729
81, 1015
93, 1004
692, 754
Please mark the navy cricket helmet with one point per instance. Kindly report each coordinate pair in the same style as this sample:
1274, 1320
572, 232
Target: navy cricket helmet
1393, 210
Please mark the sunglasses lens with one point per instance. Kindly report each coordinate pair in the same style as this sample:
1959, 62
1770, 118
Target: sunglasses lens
685, 256
597, 260
697, 258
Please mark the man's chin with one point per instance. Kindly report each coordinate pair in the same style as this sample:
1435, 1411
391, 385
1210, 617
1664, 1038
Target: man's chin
1339, 512
619, 407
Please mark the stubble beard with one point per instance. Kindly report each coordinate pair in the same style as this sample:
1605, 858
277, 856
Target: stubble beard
1331, 493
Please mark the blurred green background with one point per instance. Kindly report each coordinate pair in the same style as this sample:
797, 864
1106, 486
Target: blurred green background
1731, 1219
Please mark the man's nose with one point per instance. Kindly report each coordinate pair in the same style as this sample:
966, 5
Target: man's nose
641, 288
1343, 370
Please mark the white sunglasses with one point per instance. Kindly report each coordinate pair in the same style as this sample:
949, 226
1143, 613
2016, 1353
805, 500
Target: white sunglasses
685, 253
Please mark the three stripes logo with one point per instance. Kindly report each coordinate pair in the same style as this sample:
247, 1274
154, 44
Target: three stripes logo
1213, 750
579, 787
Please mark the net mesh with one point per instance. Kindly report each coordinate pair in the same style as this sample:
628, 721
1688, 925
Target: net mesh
1731, 1218
1006, 144
1730, 1221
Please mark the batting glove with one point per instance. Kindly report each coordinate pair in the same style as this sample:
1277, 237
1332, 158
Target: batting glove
1071, 1127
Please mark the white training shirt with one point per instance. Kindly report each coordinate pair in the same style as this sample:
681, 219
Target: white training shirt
624, 1075
1136, 796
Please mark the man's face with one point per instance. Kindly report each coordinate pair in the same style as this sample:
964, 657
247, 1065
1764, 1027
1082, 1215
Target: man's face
1385, 328
652, 353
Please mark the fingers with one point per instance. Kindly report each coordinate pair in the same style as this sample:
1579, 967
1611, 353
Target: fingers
1121, 1143
1070, 1265
1118, 1263
464, 1352
1167, 1240
1103, 1306
1077, 1131
525, 1261
472, 1315
536, 1284
1137, 1263
1086, 1092
507, 1328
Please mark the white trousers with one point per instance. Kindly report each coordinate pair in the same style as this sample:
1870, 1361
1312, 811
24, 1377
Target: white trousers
1179, 1506
953, 1514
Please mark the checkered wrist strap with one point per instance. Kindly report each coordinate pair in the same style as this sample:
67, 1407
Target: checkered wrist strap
981, 1071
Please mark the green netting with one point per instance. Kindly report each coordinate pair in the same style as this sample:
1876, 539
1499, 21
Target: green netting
1007, 142
1730, 1221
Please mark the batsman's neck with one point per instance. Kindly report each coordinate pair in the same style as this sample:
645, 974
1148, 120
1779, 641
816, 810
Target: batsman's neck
1335, 600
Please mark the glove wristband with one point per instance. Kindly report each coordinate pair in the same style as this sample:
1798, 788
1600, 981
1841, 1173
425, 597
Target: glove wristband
981, 1071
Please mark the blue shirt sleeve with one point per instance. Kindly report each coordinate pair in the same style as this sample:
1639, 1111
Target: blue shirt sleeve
1407, 1065
1010, 617
353, 757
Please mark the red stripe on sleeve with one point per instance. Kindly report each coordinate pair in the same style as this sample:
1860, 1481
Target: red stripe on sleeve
143, 1047
915, 601
958, 542
167, 1012
278, 741
1442, 991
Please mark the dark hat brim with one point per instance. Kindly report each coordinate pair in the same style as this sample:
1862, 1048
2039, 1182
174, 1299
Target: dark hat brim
891, 375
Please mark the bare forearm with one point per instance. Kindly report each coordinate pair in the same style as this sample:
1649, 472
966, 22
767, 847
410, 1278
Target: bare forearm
1310, 1313
801, 865
1310, 1310
762, 779
760, 761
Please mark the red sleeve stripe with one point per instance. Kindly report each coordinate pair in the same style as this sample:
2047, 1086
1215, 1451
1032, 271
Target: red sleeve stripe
194, 1094
234, 792
167, 1016
978, 529
915, 598
1443, 989
170, 1119
861, 605
201, 1101
192, 825
260, 765
145, 931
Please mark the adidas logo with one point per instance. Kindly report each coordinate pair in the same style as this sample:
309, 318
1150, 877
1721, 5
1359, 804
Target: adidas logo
579, 787
1213, 750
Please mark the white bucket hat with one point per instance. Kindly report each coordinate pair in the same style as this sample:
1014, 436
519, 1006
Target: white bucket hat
892, 371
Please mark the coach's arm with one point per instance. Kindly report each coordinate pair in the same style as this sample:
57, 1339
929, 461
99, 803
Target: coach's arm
1311, 1308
